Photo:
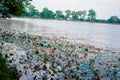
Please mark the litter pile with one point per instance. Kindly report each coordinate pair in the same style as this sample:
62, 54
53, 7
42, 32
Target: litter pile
44, 58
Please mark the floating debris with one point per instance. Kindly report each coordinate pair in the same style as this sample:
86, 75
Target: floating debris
42, 58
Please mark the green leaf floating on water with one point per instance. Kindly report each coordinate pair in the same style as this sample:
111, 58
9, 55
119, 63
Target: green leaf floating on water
52, 74
34, 38
44, 67
48, 46
29, 38
86, 49
54, 71
44, 78
40, 37
36, 67
59, 45
95, 73
41, 44
0, 29
79, 47
44, 41
72, 46
46, 58
21, 62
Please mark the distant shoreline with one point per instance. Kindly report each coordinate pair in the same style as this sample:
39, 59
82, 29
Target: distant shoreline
69, 20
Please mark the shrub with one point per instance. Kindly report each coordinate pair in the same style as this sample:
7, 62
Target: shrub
7, 73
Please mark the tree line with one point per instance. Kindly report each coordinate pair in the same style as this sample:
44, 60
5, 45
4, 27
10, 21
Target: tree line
58, 14
89, 16
10, 8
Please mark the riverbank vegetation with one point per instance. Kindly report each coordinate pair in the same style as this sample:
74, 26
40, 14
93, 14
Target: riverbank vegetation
7, 73
13, 7
86, 16
25, 9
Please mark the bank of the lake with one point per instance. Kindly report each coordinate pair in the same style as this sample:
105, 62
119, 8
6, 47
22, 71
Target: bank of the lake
85, 21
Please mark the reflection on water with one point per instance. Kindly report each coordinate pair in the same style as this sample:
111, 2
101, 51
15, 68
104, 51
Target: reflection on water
99, 35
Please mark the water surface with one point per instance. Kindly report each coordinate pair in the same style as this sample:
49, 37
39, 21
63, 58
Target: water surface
105, 36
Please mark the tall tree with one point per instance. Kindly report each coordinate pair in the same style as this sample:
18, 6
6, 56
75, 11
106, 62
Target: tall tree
83, 14
46, 13
59, 14
79, 14
31, 11
16, 7
74, 15
68, 13
91, 15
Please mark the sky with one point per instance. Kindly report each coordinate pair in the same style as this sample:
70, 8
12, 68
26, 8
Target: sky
104, 8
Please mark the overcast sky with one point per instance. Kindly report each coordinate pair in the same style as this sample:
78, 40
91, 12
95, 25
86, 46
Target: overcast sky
103, 8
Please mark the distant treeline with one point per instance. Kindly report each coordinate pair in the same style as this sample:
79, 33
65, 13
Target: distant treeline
89, 16
8, 8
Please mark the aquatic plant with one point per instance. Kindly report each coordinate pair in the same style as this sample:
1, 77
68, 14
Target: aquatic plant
60, 59
86, 49
44, 77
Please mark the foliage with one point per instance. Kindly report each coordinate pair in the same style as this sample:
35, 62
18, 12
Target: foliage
68, 13
5, 72
59, 14
15, 7
81, 14
4, 12
91, 15
74, 15
114, 19
86, 49
18, 7
46, 13
31, 11
101, 20
84, 12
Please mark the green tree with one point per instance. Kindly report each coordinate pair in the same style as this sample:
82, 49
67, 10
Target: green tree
114, 19
46, 13
74, 15
16, 7
68, 13
79, 14
31, 11
4, 12
83, 14
59, 14
7, 73
91, 15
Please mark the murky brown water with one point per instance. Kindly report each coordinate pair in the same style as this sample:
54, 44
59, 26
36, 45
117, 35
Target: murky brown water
99, 35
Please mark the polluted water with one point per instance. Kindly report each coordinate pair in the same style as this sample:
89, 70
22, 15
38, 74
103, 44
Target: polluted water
45, 58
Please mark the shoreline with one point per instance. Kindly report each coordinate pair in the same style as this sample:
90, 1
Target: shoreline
71, 21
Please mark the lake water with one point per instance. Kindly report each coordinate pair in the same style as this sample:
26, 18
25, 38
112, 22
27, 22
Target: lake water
104, 36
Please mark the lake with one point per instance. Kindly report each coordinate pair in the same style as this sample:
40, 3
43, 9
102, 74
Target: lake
106, 36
